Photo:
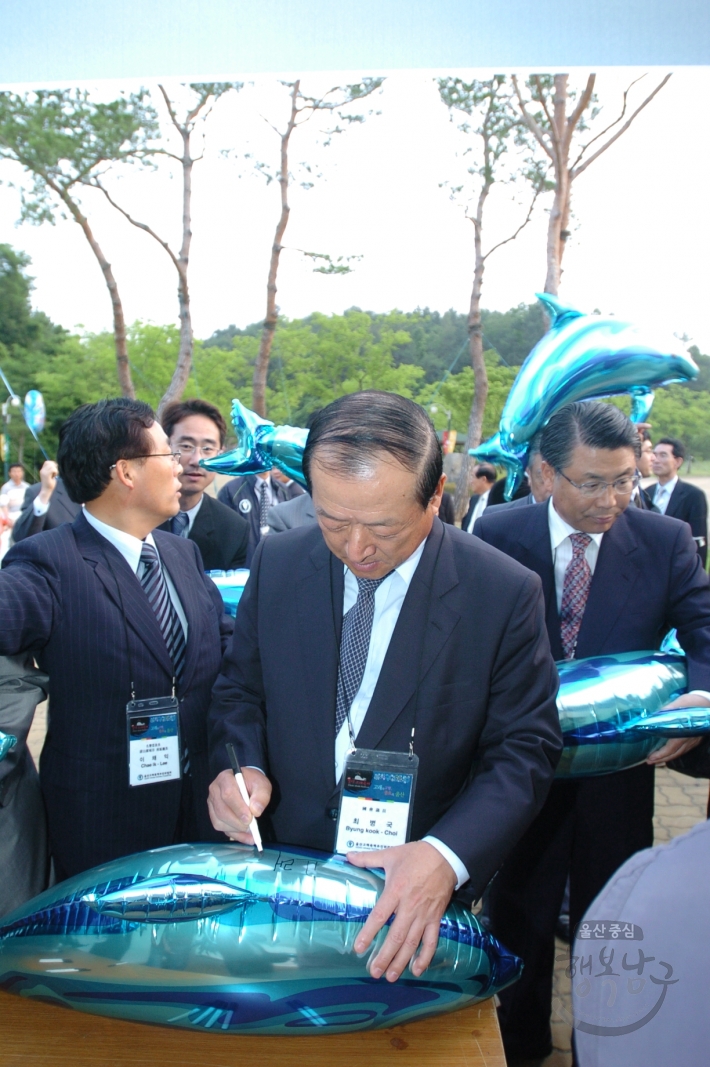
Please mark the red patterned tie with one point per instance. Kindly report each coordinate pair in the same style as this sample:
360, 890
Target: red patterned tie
574, 593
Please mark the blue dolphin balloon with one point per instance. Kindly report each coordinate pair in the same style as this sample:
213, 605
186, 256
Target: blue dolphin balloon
582, 357
610, 710
261, 446
7, 743
222, 938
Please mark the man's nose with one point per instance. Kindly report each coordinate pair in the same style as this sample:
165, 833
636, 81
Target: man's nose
360, 544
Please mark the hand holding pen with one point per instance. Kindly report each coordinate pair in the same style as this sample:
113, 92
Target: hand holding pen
253, 826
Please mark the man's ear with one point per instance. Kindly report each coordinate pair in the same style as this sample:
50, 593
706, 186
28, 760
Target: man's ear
435, 501
548, 474
123, 472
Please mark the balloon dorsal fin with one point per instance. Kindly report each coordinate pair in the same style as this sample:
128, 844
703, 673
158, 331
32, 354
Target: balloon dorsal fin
559, 314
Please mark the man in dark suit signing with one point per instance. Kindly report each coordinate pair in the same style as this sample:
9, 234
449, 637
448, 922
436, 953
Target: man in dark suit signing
46, 505
381, 627
676, 498
616, 579
113, 612
195, 429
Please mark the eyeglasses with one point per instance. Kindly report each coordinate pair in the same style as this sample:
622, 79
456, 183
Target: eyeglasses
207, 452
176, 457
621, 486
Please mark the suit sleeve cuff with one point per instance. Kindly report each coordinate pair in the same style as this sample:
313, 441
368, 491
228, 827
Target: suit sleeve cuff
451, 858
39, 508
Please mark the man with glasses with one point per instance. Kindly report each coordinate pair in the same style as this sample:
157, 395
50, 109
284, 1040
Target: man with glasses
615, 579
115, 611
677, 498
197, 430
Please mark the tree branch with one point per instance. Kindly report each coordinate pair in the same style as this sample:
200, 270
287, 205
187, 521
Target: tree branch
529, 121
579, 111
575, 173
520, 228
134, 222
602, 133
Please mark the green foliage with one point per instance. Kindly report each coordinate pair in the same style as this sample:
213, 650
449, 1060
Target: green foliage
514, 333
456, 395
62, 138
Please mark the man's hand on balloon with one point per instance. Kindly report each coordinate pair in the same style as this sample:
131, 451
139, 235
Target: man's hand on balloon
418, 887
678, 746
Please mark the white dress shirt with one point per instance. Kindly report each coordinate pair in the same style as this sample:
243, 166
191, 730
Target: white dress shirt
662, 496
130, 548
480, 507
562, 550
192, 513
389, 598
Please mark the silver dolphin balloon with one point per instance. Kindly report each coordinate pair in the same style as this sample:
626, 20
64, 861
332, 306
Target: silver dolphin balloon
222, 938
261, 446
7, 743
610, 710
582, 357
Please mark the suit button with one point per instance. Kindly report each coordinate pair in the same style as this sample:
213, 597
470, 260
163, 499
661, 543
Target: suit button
332, 813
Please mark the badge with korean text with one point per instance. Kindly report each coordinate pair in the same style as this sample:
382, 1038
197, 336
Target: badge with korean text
153, 741
376, 800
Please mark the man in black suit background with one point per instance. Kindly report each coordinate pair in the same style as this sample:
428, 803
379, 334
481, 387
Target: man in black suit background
113, 612
616, 579
252, 496
382, 627
197, 429
482, 481
46, 505
676, 498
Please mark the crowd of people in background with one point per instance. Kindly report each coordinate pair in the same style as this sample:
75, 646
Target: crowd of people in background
104, 593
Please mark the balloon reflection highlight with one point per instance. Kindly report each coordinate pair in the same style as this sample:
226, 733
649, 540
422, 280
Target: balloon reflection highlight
7, 743
222, 938
581, 357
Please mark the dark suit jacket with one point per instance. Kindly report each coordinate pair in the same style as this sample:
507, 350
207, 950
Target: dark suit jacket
221, 534
60, 601
296, 512
517, 502
648, 578
61, 509
446, 511
240, 494
690, 504
470, 641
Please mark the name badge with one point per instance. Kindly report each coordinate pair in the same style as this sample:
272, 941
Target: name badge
376, 800
153, 741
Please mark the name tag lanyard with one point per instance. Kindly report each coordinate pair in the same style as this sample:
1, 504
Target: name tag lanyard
377, 787
152, 725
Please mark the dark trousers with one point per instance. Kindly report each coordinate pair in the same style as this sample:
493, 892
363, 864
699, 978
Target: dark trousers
586, 830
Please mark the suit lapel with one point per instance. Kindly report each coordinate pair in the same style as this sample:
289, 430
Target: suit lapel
675, 500
203, 528
537, 555
614, 577
424, 626
110, 567
319, 605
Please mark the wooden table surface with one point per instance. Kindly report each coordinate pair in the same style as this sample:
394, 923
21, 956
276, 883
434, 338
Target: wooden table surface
33, 1034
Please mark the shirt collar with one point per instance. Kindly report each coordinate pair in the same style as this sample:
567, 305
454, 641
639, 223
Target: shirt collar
405, 570
668, 487
560, 530
129, 546
192, 512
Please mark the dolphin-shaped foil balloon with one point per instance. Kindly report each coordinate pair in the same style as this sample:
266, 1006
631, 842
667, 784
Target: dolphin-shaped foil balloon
261, 446
7, 743
581, 357
222, 938
610, 710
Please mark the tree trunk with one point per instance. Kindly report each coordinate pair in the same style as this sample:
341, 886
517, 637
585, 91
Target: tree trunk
261, 368
184, 360
119, 323
480, 374
559, 215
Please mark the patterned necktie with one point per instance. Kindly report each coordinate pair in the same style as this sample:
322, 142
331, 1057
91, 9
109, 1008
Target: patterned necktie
156, 589
354, 646
661, 499
180, 523
575, 591
263, 503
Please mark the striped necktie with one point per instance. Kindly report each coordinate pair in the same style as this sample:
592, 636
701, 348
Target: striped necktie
156, 589
179, 524
575, 590
354, 646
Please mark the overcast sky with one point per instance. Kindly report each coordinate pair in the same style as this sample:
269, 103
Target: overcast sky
639, 246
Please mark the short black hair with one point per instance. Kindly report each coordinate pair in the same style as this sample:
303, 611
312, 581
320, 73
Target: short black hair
590, 423
11, 466
95, 437
363, 426
677, 446
487, 471
174, 413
